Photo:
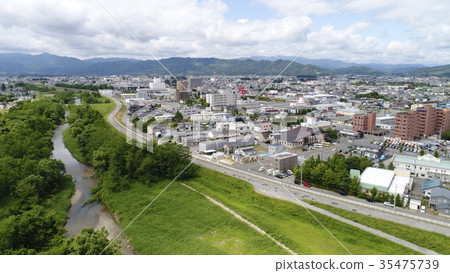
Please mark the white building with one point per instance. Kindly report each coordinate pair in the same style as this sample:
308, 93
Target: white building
387, 122
426, 166
225, 97
157, 85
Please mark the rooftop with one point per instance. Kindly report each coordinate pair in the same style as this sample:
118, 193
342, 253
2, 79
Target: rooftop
379, 178
432, 183
426, 161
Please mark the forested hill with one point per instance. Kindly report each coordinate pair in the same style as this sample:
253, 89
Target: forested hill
46, 64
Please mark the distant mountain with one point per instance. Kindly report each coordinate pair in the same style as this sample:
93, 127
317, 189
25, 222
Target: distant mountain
359, 70
439, 71
336, 64
46, 64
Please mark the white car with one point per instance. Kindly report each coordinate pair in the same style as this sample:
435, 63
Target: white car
261, 169
389, 204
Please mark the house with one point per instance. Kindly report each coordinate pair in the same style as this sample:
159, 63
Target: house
283, 161
275, 149
244, 155
414, 203
368, 150
430, 184
297, 137
440, 200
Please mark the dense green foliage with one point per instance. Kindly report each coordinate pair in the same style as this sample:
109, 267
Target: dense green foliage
35, 87
34, 192
334, 173
7, 98
85, 86
424, 238
374, 95
118, 163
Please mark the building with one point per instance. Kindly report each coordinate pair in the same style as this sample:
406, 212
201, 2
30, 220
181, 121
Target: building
385, 181
283, 161
381, 179
181, 95
194, 82
424, 121
227, 97
415, 203
386, 122
427, 166
157, 85
429, 185
440, 201
182, 86
275, 149
297, 137
364, 123
368, 150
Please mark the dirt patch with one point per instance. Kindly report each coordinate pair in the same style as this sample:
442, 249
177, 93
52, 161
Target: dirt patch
89, 172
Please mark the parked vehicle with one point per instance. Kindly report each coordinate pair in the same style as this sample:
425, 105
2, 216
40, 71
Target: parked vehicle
306, 184
370, 200
261, 169
280, 176
389, 204
289, 172
343, 193
298, 182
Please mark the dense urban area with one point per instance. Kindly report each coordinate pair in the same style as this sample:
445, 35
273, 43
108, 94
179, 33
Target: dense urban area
368, 155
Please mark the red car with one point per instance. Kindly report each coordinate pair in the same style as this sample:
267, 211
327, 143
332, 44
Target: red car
306, 184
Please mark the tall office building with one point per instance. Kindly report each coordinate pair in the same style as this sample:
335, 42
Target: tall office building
425, 121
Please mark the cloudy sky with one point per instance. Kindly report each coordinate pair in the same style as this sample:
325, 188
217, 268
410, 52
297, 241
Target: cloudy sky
382, 31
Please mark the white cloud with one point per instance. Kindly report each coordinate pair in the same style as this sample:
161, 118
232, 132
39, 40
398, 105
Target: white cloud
198, 28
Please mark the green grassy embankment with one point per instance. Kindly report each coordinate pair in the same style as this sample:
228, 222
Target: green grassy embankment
427, 239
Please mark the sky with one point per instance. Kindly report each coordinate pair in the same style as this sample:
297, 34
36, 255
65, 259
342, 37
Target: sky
359, 31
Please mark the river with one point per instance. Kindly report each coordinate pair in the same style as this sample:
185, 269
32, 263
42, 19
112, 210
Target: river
94, 215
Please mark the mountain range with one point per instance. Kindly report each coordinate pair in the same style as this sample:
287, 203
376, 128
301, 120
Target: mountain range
47, 65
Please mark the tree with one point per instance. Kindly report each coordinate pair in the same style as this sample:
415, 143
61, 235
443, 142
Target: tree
381, 165
3, 87
401, 148
436, 154
178, 117
445, 135
364, 162
34, 229
422, 152
88, 242
332, 134
354, 188
391, 166
373, 192
398, 201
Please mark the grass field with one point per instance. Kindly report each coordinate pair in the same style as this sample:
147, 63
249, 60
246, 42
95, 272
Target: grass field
104, 108
184, 222
427, 239
290, 223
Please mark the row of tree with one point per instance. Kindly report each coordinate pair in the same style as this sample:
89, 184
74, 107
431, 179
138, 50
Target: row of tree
334, 173
118, 163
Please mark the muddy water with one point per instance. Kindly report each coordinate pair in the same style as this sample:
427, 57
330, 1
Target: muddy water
94, 215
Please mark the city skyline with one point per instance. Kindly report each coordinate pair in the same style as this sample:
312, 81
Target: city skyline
361, 31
